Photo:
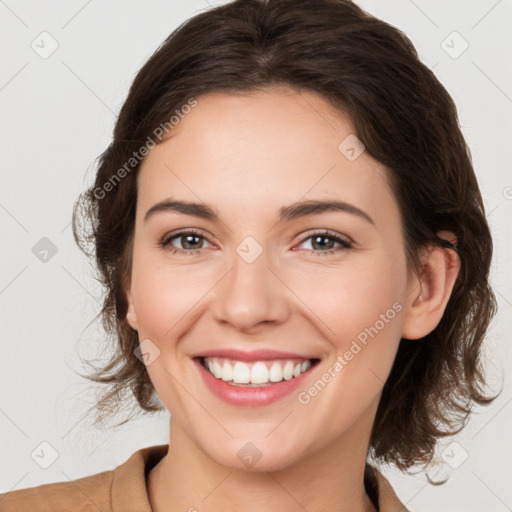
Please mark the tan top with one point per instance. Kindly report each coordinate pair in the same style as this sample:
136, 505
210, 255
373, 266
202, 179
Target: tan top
123, 489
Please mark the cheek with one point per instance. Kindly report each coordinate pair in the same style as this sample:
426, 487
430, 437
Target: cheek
362, 308
164, 294
370, 327
351, 298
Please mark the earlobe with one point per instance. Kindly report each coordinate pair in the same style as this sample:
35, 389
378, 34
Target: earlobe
430, 290
131, 316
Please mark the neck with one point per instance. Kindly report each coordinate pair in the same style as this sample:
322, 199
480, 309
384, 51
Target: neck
332, 478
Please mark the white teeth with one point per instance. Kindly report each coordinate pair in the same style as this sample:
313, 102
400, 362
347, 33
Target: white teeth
304, 366
259, 372
241, 373
276, 373
288, 370
227, 372
217, 370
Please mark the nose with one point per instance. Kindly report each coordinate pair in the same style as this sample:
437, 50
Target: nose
250, 295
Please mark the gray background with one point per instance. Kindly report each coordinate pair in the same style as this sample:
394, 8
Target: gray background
58, 111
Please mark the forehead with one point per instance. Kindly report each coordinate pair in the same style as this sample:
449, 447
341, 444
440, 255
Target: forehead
263, 149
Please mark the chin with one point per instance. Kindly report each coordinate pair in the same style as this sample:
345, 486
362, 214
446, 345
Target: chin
253, 457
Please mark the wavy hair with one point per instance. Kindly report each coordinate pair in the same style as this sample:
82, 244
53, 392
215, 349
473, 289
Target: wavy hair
370, 71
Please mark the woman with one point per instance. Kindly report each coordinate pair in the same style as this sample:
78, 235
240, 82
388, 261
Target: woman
296, 260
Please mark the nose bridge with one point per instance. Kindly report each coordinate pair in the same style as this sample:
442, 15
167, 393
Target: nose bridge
250, 294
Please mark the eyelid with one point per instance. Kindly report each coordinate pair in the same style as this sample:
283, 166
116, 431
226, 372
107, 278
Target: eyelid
185, 231
327, 233
344, 241
300, 238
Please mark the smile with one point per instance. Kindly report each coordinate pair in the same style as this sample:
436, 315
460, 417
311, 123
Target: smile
256, 373
255, 382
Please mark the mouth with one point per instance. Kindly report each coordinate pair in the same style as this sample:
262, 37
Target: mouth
256, 373
253, 380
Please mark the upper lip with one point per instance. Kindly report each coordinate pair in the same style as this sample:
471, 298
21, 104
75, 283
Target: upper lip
253, 355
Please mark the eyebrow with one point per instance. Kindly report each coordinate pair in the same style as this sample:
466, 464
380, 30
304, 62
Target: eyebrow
286, 213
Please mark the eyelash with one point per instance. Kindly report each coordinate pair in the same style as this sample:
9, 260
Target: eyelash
345, 244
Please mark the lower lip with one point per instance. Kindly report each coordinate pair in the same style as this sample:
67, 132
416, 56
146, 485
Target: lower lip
247, 396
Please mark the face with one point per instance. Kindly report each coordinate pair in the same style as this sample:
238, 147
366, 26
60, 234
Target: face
262, 286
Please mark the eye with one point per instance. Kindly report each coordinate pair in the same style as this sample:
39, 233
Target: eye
318, 240
191, 241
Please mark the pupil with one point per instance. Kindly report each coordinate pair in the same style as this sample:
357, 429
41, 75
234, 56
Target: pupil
188, 237
323, 238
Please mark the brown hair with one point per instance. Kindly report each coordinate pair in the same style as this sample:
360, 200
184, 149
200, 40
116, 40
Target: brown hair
407, 121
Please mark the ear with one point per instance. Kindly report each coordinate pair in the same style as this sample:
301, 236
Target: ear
131, 316
430, 290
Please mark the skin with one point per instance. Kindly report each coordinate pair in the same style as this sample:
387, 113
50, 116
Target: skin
247, 156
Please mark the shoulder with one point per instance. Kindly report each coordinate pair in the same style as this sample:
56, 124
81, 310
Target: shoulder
123, 488
83, 494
